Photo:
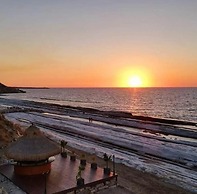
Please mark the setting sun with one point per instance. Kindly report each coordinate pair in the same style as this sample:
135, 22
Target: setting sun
134, 77
135, 81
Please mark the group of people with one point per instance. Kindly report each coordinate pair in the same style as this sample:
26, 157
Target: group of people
90, 120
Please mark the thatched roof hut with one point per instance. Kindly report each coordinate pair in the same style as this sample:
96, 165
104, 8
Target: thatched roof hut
32, 146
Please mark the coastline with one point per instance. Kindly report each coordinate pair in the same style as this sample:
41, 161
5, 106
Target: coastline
176, 104
142, 174
94, 111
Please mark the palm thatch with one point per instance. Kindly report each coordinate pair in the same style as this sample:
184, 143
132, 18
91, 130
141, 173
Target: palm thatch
33, 146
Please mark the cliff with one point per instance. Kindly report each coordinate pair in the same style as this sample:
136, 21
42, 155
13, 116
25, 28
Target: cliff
6, 89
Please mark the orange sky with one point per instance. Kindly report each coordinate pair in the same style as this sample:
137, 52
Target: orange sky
98, 44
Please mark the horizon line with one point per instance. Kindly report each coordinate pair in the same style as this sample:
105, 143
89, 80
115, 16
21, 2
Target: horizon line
97, 87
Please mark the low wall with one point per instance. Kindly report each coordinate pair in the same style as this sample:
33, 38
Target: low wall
32, 170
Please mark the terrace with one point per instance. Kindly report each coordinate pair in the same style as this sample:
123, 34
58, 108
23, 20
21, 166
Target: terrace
61, 179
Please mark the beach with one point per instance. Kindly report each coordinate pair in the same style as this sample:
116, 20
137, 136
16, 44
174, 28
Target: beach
153, 155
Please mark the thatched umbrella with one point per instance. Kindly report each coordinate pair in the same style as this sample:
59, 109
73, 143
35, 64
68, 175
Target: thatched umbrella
32, 146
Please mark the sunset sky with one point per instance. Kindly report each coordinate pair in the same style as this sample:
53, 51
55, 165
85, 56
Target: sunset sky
98, 43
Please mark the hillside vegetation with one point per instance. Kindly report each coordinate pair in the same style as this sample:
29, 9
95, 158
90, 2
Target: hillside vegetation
8, 131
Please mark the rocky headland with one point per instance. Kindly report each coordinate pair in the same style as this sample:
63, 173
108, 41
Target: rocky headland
5, 89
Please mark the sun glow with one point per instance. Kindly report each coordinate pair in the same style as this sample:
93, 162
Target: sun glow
135, 81
134, 78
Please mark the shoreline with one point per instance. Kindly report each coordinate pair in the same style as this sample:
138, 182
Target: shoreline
64, 119
117, 118
110, 114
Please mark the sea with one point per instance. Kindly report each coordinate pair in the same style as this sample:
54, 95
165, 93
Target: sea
170, 103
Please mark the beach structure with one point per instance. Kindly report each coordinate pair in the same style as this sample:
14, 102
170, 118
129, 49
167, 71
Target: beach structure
31, 152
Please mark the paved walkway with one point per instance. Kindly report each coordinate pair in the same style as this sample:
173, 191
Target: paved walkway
7, 187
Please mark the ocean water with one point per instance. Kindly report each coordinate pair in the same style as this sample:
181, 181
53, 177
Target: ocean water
173, 103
